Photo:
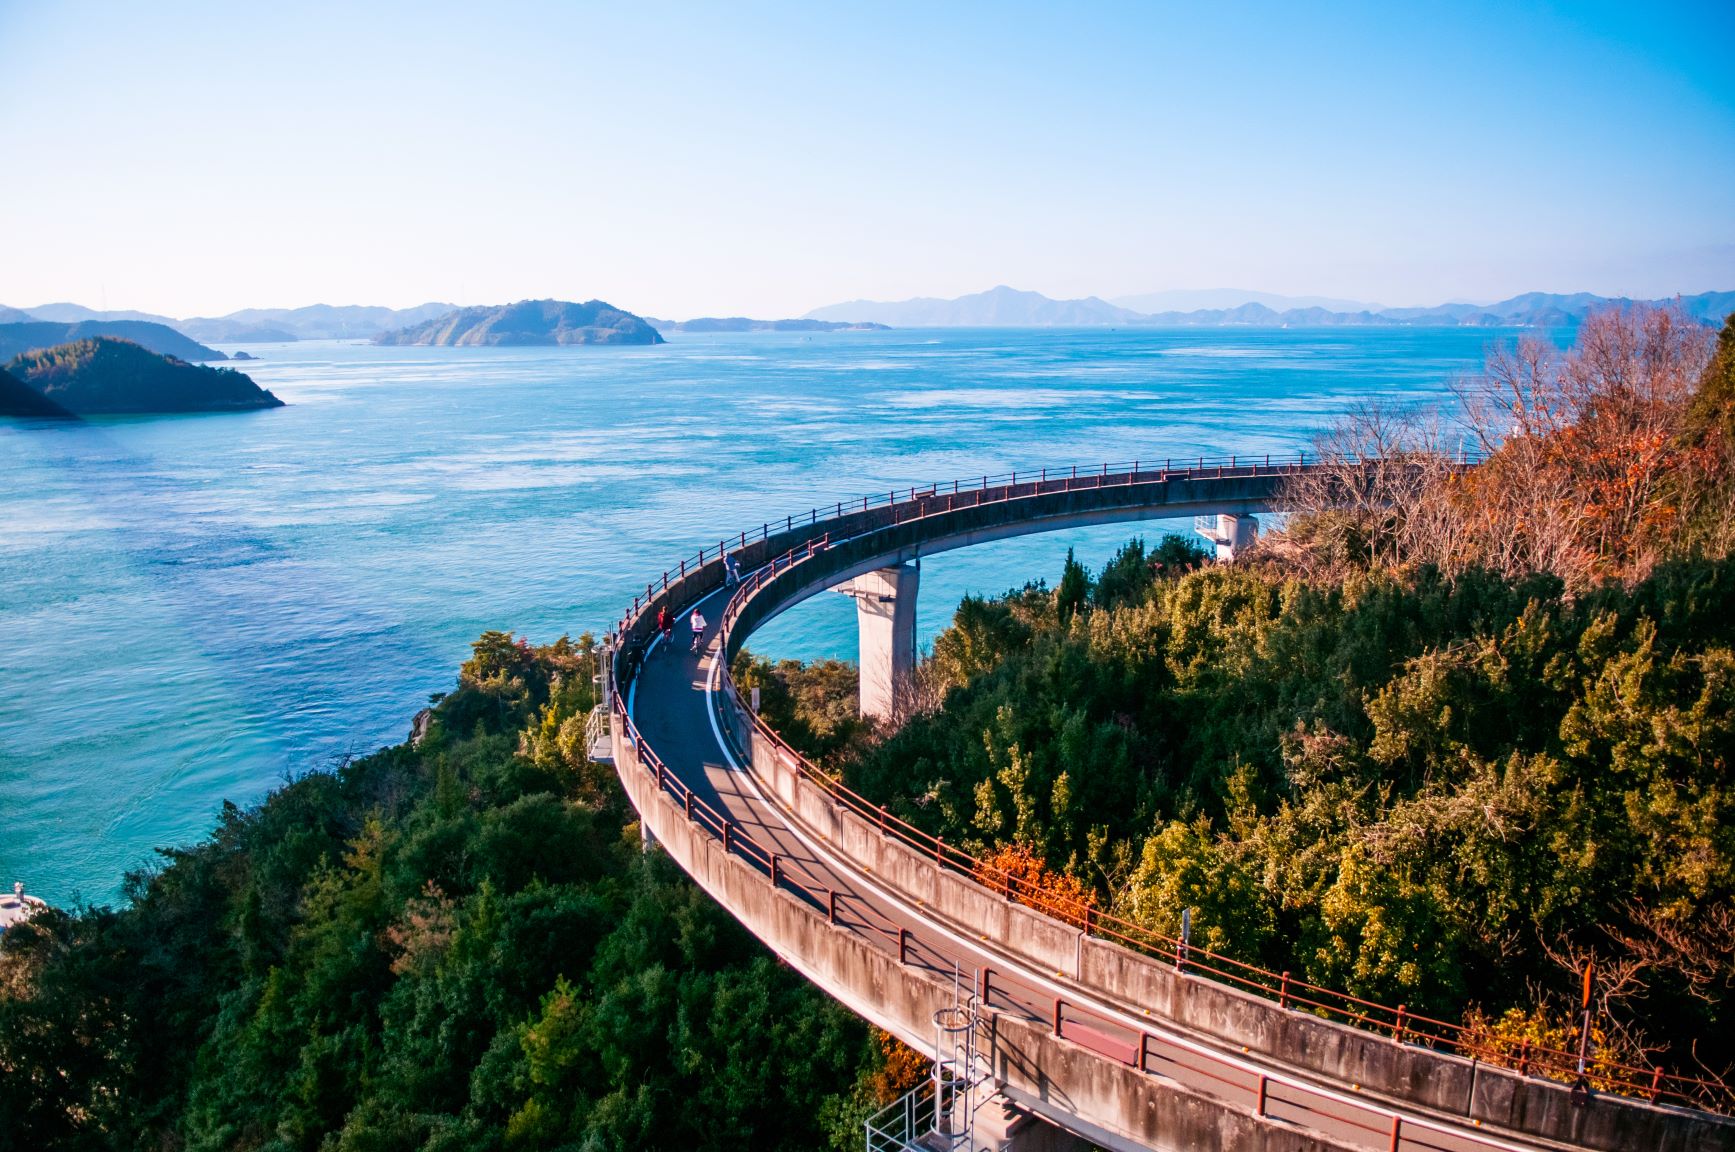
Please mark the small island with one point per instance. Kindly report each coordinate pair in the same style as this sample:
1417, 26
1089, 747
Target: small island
106, 376
529, 322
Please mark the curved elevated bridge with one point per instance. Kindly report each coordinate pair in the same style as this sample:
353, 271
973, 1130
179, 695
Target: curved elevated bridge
1110, 1032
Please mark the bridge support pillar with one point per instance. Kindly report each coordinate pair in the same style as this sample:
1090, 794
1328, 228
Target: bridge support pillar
1229, 533
885, 614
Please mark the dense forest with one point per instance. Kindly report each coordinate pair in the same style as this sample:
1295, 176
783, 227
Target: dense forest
457, 942
1440, 745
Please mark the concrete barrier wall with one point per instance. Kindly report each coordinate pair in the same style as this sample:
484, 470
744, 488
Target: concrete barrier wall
1353, 1056
1401, 1072
1407, 1073
1108, 1102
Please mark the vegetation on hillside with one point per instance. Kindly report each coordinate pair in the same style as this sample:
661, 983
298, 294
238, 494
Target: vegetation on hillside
456, 944
1600, 462
105, 375
530, 322
19, 399
1441, 748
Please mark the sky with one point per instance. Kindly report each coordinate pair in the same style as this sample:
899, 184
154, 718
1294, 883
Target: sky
764, 159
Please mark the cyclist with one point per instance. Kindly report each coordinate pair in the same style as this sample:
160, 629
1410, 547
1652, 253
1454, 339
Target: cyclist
698, 623
666, 624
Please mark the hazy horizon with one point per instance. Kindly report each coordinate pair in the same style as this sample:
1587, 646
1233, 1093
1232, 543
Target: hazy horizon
1170, 300
198, 159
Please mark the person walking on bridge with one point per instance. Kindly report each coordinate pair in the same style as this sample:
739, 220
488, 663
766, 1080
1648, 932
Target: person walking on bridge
698, 623
731, 571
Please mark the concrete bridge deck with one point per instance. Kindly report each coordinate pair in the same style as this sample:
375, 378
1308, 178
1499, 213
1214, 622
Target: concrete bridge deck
1102, 1041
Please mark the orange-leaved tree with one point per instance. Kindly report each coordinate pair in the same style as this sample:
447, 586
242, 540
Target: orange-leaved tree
1017, 870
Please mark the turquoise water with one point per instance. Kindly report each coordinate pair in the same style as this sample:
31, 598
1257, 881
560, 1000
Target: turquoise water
196, 607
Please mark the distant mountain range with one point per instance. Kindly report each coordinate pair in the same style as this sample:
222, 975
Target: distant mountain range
529, 322
75, 313
17, 339
1000, 307
742, 324
252, 325
315, 322
996, 308
1196, 299
1009, 308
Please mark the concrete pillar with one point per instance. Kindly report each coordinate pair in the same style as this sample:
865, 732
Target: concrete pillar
885, 614
1229, 533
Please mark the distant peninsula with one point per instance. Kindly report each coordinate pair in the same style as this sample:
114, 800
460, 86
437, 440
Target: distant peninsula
17, 339
743, 324
106, 376
529, 322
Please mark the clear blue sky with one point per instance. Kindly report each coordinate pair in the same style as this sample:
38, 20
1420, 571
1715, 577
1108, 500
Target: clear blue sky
757, 159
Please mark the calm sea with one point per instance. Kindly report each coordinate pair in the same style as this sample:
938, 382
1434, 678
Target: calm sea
194, 608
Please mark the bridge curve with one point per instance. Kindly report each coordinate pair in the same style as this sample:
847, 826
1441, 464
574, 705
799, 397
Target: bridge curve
1113, 1033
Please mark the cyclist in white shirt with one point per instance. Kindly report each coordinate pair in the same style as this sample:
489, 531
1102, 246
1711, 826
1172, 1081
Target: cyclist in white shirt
698, 623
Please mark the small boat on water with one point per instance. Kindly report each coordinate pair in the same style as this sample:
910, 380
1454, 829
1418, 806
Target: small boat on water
16, 907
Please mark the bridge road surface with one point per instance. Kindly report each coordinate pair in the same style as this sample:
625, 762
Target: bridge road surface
671, 707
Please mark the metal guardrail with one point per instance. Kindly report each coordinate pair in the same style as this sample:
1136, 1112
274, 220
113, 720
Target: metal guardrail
1403, 1026
1051, 479
904, 1124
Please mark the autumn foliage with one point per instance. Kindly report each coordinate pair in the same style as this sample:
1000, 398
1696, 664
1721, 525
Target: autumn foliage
901, 1068
1538, 1042
1016, 869
1598, 461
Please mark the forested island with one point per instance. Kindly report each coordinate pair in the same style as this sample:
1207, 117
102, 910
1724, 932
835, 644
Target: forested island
107, 376
530, 322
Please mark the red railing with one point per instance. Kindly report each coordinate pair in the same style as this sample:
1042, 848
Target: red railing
1401, 1025
1056, 479
736, 841
1651, 1083
1080, 1024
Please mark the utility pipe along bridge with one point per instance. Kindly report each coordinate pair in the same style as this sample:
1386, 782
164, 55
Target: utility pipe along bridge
1103, 1029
